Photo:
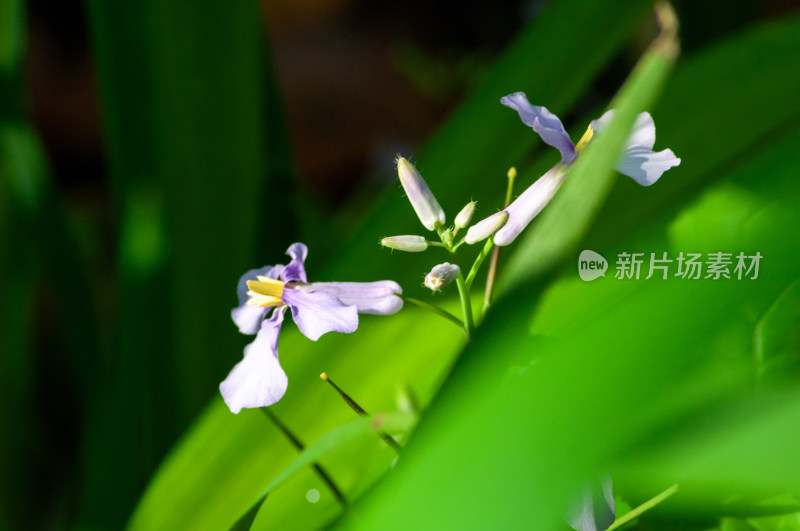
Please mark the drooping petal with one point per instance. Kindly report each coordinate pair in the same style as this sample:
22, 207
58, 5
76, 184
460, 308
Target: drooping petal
295, 270
379, 298
639, 161
258, 380
266, 271
317, 312
642, 134
546, 124
248, 318
595, 509
529, 204
646, 166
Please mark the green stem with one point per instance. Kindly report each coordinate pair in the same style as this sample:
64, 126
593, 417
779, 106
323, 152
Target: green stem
299, 446
646, 506
491, 275
478, 261
466, 305
388, 439
435, 309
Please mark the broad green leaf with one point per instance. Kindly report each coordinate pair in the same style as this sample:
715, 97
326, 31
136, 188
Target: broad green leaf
242, 453
549, 411
335, 439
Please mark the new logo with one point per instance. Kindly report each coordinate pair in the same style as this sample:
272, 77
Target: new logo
591, 265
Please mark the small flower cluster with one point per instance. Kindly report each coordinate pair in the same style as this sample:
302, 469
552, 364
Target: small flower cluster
319, 307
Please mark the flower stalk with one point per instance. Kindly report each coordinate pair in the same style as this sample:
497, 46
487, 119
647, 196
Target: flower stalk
388, 439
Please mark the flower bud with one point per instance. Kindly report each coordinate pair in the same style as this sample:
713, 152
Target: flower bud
486, 227
425, 204
465, 216
411, 244
441, 275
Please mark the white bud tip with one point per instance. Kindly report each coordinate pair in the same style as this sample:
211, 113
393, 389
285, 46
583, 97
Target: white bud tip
422, 199
465, 216
486, 227
409, 243
441, 275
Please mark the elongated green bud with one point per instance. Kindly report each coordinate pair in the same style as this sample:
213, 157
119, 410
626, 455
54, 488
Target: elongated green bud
425, 204
441, 275
486, 227
409, 243
465, 216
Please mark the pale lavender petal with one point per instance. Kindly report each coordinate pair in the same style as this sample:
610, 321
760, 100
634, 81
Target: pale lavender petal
295, 270
248, 318
543, 122
317, 312
643, 133
595, 509
380, 298
529, 204
601, 123
258, 380
266, 271
645, 166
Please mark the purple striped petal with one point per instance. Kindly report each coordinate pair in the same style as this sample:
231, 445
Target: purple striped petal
317, 313
379, 298
258, 380
522, 211
546, 124
295, 271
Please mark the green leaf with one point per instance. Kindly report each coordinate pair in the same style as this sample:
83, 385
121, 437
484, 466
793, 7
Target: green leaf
188, 119
335, 439
610, 380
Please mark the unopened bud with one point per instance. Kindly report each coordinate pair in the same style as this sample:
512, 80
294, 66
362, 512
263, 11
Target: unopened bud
441, 275
425, 204
486, 227
465, 216
411, 244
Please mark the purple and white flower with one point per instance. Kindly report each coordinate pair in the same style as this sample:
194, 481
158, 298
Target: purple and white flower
638, 161
317, 308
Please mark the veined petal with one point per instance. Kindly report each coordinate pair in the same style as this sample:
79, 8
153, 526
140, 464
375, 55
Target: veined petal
546, 124
258, 380
380, 298
317, 312
646, 166
248, 318
266, 271
529, 204
295, 270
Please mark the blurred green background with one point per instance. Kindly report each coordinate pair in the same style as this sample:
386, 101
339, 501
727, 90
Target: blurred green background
153, 151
